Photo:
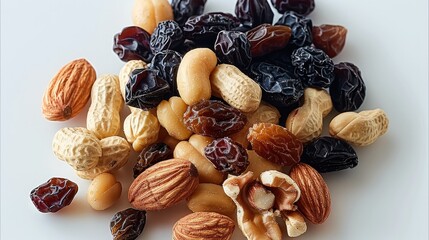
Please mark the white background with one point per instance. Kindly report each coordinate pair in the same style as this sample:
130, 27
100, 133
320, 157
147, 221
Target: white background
385, 197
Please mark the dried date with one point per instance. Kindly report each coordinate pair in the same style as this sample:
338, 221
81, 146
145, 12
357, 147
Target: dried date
53, 195
348, 88
267, 38
127, 224
328, 154
145, 89
233, 47
167, 63
313, 67
275, 143
227, 156
254, 12
150, 155
183, 9
214, 119
132, 43
301, 28
167, 35
329, 38
303, 7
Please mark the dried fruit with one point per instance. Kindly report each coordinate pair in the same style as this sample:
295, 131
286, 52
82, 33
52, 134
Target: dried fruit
167, 63
167, 35
266, 38
127, 224
303, 7
348, 89
227, 156
151, 155
68, 91
53, 195
301, 29
232, 47
275, 143
183, 9
329, 38
214, 119
132, 43
254, 12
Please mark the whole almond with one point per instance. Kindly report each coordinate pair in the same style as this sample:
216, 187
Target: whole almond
163, 185
315, 200
203, 225
69, 91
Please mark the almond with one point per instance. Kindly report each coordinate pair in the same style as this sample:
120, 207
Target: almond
69, 91
315, 200
163, 185
203, 225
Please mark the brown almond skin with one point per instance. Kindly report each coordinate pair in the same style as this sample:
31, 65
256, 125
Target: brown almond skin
163, 185
203, 225
69, 91
315, 200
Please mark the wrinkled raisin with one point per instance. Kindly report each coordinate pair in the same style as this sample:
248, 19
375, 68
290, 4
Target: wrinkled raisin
275, 143
53, 195
145, 89
328, 154
303, 7
183, 9
127, 224
167, 63
254, 12
232, 47
348, 88
313, 67
267, 38
150, 155
301, 28
281, 58
132, 43
203, 29
214, 119
330, 38
187, 46
227, 156
167, 35
279, 87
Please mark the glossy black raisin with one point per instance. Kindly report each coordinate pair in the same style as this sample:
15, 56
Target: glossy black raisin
233, 47
301, 28
167, 63
254, 12
348, 88
313, 67
279, 87
145, 89
127, 224
132, 43
303, 7
167, 35
328, 154
183, 9
151, 155
187, 46
281, 58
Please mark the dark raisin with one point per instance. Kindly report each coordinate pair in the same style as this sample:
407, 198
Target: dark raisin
132, 43
328, 154
267, 38
187, 46
145, 89
203, 29
348, 88
232, 47
329, 38
127, 224
242, 28
301, 29
281, 58
167, 35
254, 12
53, 195
313, 67
183, 9
167, 62
214, 119
227, 156
150, 155
279, 87
303, 7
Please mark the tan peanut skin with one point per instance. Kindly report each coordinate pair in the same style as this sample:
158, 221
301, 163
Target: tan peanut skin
306, 122
148, 13
193, 75
141, 129
103, 117
125, 72
170, 116
361, 128
68, 91
104, 191
209, 197
235, 87
115, 153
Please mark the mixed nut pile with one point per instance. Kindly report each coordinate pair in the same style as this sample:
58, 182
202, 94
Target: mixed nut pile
226, 112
